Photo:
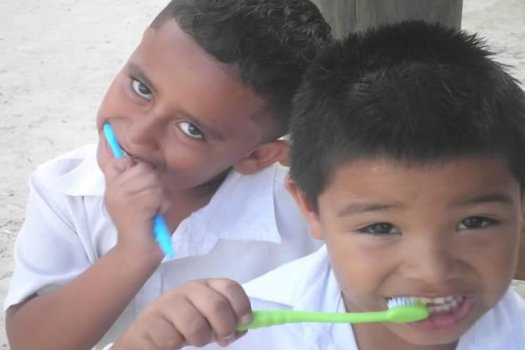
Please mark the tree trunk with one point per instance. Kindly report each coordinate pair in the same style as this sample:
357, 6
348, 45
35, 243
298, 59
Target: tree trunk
348, 16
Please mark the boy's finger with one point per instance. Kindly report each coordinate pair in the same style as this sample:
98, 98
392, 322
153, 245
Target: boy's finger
190, 322
114, 167
218, 312
165, 206
144, 173
238, 300
163, 333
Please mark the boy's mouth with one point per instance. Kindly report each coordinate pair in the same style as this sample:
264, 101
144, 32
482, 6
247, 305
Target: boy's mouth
445, 311
440, 305
135, 158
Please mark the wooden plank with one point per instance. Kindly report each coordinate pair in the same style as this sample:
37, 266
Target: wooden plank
373, 13
346, 16
340, 14
520, 272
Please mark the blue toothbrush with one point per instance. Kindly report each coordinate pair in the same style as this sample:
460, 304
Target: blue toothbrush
160, 228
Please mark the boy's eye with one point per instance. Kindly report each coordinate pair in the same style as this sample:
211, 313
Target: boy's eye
191, 130
382, 228
476, 222
141, 90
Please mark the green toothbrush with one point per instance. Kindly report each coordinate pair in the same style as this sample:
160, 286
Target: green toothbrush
401, 310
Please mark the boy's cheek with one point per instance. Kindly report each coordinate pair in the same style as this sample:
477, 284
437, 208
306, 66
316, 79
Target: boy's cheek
360, 272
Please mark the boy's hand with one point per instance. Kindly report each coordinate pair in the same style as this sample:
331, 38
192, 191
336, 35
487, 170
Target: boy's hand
197, 313
133, 196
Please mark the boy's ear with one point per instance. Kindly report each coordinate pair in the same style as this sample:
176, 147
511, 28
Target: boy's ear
309, 213
263, 156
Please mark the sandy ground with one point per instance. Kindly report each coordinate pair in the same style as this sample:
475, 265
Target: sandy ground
57, 59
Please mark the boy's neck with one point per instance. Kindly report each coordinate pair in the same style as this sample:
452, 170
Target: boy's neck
184, 202
376, 336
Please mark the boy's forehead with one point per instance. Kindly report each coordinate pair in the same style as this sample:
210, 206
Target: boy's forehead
452, 181
173, 61
168, 39
186, 76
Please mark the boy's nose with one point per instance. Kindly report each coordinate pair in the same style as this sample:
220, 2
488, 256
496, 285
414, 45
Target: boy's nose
144, 131
432, 262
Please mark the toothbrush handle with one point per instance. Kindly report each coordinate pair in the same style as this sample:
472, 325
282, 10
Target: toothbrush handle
266, 318
112, 141
160, 228
162, 235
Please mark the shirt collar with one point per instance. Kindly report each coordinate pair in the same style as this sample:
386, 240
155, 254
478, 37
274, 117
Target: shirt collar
84, 178
242, 208
303, 281
244, 204
308, 284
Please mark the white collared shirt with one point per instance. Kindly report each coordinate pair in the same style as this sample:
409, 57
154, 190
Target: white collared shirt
250, 227
309, 284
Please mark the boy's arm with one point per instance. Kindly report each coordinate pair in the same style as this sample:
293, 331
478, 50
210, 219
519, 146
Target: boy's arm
195, 314
78, 314
91, 295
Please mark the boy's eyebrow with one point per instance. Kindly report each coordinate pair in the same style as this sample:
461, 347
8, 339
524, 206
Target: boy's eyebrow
487, 198
137, 72
359, 208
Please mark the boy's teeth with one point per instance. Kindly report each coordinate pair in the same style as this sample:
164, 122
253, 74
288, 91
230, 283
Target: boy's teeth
436, 301
441, 304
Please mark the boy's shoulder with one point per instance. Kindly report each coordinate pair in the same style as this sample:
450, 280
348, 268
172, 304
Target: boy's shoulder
306, 284
73, 173
503, 327
290, 284
257, 204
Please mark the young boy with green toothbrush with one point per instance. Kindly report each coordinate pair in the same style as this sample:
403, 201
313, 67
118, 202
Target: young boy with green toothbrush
407, 149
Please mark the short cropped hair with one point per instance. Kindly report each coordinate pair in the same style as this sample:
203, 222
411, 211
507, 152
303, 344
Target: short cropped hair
271, 43
412, 92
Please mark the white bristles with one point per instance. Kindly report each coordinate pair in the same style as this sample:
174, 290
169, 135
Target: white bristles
399, 301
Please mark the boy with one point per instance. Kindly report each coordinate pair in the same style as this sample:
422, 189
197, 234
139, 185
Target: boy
198, 109
407, 160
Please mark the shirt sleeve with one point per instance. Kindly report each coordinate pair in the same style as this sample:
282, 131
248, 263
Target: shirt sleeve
48, 251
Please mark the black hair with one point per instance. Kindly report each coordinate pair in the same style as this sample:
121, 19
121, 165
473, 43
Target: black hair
412, 92
271, 43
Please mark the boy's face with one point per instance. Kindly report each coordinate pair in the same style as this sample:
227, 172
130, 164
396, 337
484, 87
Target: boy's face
175, 107
444, 231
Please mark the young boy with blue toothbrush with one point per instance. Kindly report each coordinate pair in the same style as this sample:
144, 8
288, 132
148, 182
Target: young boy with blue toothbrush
407, 149
198, 110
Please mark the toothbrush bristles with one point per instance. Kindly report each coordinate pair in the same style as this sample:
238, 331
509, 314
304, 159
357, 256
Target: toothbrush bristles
399, 301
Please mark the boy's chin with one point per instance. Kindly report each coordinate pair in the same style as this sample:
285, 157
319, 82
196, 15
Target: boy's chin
418, 337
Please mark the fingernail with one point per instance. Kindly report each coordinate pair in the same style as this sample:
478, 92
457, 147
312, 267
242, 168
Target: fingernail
230, 337
246, 319
227, 340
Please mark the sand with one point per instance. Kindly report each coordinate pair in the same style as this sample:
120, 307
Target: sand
57, 59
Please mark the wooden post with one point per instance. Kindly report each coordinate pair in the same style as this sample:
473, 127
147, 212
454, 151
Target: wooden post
347, 16
520, 272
